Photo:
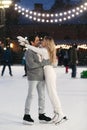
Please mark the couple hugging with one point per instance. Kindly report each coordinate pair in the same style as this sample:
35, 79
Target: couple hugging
40, 58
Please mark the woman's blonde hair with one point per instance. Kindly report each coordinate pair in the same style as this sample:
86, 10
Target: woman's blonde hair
50, 45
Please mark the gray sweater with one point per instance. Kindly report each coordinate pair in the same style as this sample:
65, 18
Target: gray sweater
34, 67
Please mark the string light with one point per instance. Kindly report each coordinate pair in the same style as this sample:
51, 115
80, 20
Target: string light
64, 46
52, 17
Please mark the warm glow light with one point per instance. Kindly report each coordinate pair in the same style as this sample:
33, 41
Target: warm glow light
52, 15
47, 21
23, 9
81, 6
22, 13
77, 13
16, 8
56, 20
11, 45
48, 15
69, 12
26, 15
73, 10
65, 13
85, 3
30, 17
43, 15
43, 20
5, 3
64, 18
56, 15
60, 20
19, 11
51, 21
38, 20
39, 14
31, 12
81, 11
34, 18
26, 11
69, 17
60, 14
35, 13
73, 15
77, 8
4, 48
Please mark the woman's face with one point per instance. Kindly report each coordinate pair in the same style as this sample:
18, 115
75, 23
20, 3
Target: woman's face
43, 43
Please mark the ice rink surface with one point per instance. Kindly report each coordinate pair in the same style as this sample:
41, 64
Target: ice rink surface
72, 94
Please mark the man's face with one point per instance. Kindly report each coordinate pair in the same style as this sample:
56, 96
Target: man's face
36, 42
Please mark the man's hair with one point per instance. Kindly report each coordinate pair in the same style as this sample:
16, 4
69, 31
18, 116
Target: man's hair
32, 38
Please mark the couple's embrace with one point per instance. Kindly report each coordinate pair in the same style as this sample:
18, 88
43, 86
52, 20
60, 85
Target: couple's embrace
40, 71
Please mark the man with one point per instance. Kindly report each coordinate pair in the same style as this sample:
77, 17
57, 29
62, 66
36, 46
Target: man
35, 75
7, 59
73, 60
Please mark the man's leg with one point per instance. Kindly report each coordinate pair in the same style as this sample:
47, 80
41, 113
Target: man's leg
41, 103
9, 67
27, 118
41, 96
32, 86
3, 70
74, 71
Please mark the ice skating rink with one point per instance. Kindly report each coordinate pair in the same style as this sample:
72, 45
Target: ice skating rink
72, 94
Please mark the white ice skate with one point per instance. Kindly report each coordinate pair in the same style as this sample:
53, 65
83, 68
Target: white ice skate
60, 120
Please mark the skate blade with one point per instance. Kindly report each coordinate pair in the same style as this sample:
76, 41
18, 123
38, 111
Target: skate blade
28, 123
61, 121
45, 122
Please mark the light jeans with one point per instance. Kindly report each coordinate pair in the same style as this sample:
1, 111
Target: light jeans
41, 96
50, 79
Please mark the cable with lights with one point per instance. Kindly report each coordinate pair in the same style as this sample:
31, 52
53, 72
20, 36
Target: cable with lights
46, 17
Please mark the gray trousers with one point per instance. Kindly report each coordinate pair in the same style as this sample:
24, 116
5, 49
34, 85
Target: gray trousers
40, 86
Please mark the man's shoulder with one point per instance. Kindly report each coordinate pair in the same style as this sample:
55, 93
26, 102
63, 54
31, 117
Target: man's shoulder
29, 51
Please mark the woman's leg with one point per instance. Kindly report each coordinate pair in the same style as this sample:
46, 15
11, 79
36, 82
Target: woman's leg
50, 78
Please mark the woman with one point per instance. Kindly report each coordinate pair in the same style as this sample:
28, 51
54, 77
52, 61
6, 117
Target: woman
48, 52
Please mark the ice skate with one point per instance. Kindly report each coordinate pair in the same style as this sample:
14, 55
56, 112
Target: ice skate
61, 119
44, 119
27, 120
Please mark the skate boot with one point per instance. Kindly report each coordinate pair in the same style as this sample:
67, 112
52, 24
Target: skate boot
44, 119
27, 120
61, 119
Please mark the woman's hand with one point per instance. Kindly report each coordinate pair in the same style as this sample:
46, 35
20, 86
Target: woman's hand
22, 41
